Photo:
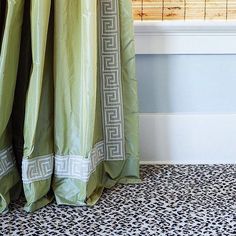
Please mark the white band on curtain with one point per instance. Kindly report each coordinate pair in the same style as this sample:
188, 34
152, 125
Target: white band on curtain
79, 167
111, 86
36, 169
66, 166
7, 161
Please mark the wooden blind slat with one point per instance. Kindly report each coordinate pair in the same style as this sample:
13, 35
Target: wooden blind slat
184, 9
195, 10
173, 9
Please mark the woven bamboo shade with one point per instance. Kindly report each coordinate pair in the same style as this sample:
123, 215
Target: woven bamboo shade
184, 9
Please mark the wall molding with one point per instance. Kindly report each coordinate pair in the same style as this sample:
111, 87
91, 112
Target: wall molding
185, 37
188, 138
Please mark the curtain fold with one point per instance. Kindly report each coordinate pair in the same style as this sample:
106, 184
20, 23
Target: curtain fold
10, 46
68, 100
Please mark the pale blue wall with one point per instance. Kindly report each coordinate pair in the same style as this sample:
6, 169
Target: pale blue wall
187, 83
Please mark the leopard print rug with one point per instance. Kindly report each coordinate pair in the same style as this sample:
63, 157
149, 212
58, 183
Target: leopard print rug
172, 200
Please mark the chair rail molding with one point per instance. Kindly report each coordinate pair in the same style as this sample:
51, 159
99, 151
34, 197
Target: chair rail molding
185, 37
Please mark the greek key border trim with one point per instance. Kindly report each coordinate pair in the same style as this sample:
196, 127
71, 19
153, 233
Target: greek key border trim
79, 167
36, 169
66, 166
7, 161
110, 75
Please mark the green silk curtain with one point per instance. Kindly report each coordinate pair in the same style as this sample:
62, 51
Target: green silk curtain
68, 100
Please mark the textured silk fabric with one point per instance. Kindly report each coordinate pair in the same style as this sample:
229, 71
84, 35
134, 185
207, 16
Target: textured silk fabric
10, 47
69, 115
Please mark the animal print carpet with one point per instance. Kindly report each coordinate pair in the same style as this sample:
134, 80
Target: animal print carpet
172, 200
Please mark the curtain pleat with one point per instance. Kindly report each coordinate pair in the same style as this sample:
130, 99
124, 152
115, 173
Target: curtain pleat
2, 19
22, 83
69, 104
10, 45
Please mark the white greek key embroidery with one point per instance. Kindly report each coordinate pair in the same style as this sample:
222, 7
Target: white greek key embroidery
7, 161
111, 88
79, 167
36, 169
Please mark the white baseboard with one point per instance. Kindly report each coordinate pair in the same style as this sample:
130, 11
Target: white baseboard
188, 138
155, 163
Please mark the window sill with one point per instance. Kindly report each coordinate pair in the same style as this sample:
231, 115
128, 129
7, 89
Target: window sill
185, 37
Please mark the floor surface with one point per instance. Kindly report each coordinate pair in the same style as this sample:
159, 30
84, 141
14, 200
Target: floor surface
172, 200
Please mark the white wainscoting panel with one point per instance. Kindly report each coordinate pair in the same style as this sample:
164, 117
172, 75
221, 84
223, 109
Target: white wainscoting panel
185, 37
188, 138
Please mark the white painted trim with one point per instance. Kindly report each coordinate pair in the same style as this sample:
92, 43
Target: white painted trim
185, 37
188, 138
154, 163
